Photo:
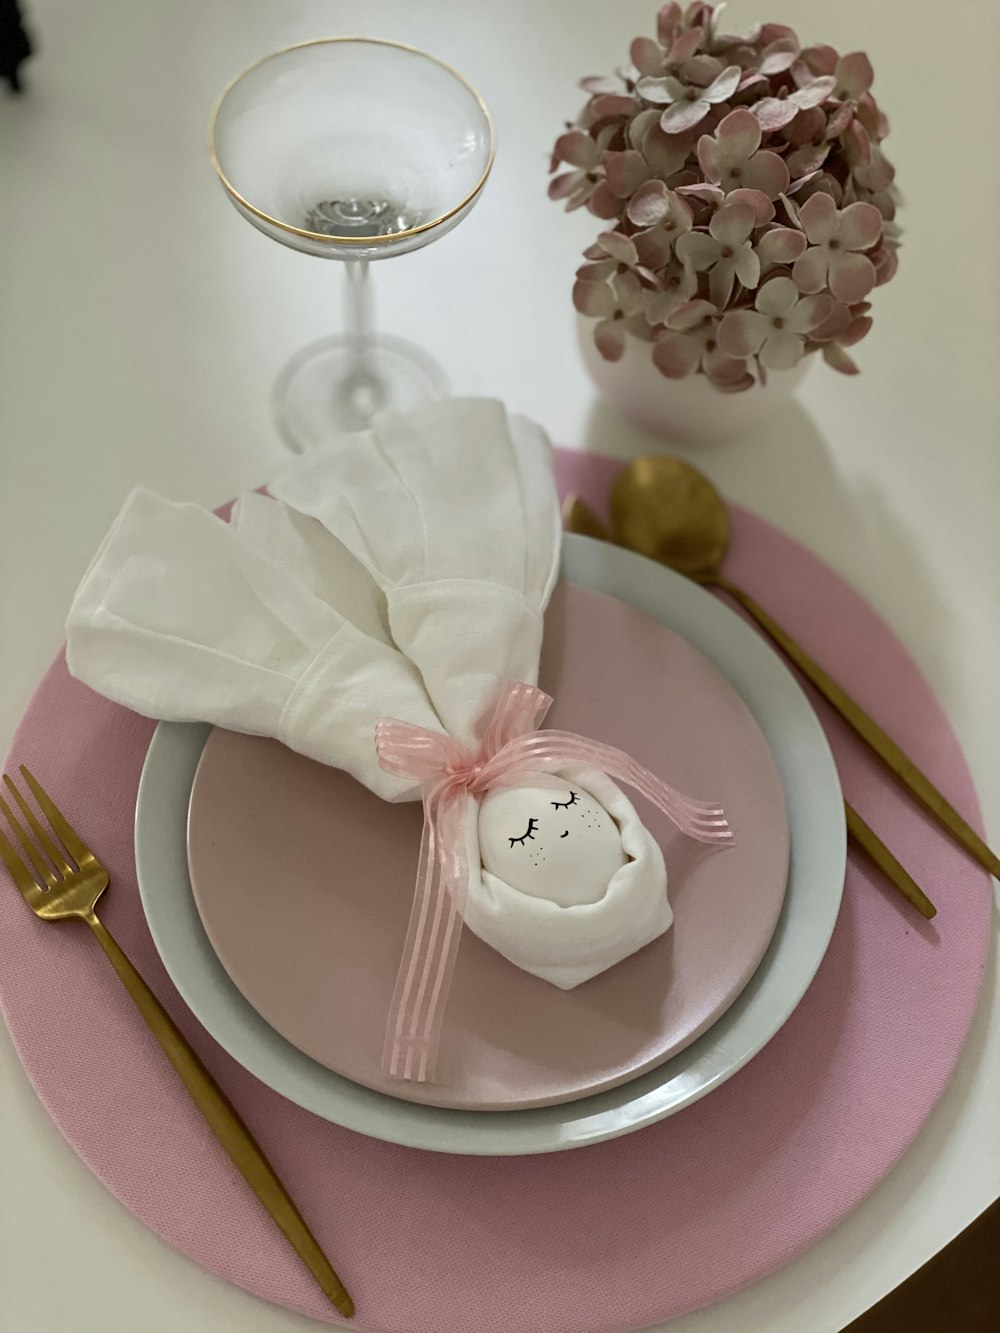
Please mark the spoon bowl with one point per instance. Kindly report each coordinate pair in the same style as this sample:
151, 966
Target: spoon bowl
668, 510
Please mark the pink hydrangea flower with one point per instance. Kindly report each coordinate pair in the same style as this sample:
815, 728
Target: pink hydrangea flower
774, 112
678, 285
726, 252
836, 239
776, 329
653, 206
690, 343
731, 159
687, 104
612, 304
587, 184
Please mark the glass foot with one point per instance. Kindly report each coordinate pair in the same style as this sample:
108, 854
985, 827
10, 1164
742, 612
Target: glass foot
320, 393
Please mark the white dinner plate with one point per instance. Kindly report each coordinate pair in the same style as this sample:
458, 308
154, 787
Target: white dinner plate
815, 885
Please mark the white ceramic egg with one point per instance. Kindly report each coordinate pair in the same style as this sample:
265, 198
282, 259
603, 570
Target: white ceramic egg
565, 879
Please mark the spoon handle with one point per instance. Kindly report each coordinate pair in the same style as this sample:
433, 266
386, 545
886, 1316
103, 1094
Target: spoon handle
867, 728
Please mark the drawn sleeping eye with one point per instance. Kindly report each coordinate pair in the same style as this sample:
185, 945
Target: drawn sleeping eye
561, 805
529, 832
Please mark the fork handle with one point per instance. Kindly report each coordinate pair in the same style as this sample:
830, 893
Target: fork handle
897, 875
243, 1150
867, 728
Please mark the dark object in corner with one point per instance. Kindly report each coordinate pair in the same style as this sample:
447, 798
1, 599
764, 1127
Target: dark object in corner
15, 46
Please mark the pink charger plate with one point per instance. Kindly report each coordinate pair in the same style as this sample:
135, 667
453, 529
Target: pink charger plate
304, 882
616, 1236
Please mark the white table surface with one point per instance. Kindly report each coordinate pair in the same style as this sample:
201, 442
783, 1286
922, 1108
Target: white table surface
142, 322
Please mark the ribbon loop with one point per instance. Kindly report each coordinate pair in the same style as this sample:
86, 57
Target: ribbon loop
512, 748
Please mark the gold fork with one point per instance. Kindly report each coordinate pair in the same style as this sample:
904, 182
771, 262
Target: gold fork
67, 887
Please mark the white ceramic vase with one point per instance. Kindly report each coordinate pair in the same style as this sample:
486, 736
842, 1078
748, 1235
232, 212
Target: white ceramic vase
689, 411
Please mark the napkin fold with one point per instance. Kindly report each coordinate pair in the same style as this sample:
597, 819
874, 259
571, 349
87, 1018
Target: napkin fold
400, 572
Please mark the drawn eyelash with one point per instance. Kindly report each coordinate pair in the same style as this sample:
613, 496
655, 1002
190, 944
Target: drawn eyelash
529, 832
561, 805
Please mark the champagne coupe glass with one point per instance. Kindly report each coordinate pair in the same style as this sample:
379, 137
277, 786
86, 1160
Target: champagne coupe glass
356, 149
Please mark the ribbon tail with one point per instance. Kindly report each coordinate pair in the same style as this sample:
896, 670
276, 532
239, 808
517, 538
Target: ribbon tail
413, 1027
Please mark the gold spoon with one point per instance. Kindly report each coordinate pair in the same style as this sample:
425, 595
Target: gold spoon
667, 510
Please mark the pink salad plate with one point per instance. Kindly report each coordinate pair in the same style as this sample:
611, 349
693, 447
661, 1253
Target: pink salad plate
304, 882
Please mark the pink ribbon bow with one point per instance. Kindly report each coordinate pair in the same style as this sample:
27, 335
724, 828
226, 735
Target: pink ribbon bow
511, 749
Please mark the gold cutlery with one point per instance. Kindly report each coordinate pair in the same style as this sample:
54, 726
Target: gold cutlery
667, 510
66, 886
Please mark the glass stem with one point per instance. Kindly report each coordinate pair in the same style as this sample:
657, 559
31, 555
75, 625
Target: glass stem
362, 389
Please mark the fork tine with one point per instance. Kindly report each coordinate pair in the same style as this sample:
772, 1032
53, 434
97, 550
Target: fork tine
20, 833
20, 873
72, 841
54, 853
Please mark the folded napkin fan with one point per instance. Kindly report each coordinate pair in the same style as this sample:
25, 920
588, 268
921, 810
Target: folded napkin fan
381, 612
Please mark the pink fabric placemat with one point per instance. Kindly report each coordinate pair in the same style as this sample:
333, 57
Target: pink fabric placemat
613, 1237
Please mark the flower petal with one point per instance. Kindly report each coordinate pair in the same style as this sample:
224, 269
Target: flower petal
836, 356
676, 355
577, 148
814, 93
807, 127
609, 337
839, 120
599, 272
625, 172
639, 125
766, 172
738, 135
560, 187
781, 245
684, 115
665, 153
747, 265
772, 113
733, 223
659, 91
701, 250
701, 70
721, 280
855, 331
724, 371
666, 23
759, 202
777, 298
722, 88
628, 293
619, 247
710, 158
782, 350
837, 321
687, 316
595, 299
653, 247
650, 204
601, 83
852, 276
886, 261
854, 74
606, 106
803, 161
810, 313
810, 269
778, 56
818, 216
742, 333
603, 202
685, 45
860, 226
647, 56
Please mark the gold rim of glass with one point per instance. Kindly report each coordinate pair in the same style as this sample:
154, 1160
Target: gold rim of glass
388, 237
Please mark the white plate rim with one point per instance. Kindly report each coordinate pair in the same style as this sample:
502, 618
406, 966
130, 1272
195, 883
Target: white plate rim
800, 940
